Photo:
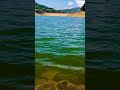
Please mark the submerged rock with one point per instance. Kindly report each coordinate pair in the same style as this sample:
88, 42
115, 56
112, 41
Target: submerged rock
62, 85
65, 85
47, 86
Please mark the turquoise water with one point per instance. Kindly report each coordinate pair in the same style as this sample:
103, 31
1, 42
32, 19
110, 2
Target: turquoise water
60, 42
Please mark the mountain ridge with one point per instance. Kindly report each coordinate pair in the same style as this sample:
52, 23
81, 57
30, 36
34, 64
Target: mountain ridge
71, 10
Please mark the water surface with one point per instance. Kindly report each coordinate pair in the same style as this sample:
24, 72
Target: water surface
60, 43
60, 38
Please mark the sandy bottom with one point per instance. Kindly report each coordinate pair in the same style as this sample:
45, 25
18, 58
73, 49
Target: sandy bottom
50, 78
62, 85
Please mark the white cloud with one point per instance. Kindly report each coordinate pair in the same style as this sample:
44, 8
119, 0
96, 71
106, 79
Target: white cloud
80, 3
70, 3
66, 8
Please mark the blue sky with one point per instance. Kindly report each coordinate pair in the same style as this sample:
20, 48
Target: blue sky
61, 4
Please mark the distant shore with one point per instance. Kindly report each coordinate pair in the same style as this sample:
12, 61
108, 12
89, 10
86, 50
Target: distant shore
78, 14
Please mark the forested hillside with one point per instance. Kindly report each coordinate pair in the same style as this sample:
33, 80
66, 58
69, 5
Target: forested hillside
83, 8
72, 10
43, 9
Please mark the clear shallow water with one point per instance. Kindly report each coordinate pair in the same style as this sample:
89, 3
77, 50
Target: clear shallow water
60, 41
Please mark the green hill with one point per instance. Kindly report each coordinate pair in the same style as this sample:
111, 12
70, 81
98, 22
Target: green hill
72, 10
43, 9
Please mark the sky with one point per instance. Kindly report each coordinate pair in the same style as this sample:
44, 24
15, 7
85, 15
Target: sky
61, 4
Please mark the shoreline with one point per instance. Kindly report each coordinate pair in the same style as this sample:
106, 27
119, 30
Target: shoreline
78, 14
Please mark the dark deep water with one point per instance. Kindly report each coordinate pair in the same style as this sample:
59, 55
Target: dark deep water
102, 35
102, 45
17, 45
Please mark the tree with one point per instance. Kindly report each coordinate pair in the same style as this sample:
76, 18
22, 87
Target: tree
83, 8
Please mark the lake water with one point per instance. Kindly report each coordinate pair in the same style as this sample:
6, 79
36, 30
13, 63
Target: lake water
102, 38
102, 45
60, 43
17, 45
61, 38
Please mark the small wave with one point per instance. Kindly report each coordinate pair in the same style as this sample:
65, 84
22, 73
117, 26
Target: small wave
61, 66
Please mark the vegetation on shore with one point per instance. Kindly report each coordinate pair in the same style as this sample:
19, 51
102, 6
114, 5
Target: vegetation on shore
83, 8
72, 10
44, 9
